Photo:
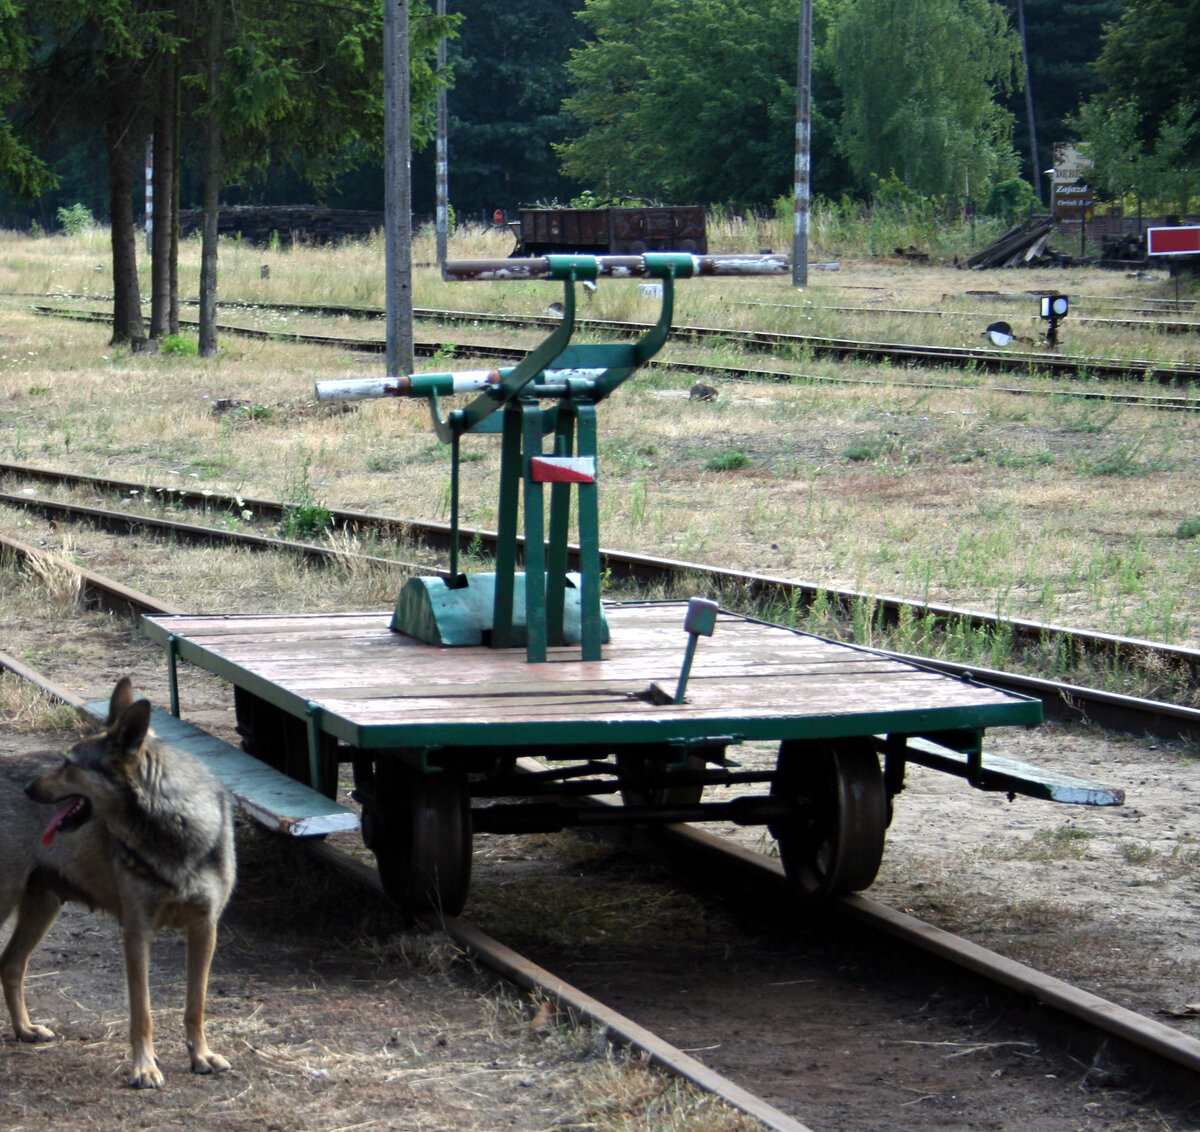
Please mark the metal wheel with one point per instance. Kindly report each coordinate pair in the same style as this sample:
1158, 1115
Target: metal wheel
835, 844
418, 825
635, 766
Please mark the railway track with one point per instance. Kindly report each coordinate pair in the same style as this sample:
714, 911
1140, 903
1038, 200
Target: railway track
787, 345
1090, 1026
764, 596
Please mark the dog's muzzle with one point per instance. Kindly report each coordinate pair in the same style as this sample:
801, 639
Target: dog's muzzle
74, 811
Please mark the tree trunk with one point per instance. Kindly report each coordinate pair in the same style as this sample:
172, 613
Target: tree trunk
123, 148
212, 190
164, 193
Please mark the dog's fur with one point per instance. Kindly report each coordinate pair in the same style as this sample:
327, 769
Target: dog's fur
123, 824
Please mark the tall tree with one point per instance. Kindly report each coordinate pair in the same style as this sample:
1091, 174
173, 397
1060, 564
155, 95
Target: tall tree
505, 105
1145, 61
690, 100
920, 84
22, 172
301, 83
1063, 38
1144, 125
93, 70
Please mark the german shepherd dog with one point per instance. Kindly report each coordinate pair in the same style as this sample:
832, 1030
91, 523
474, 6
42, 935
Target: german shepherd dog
125, 825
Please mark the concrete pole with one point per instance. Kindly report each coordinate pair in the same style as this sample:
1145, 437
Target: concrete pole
397, 188
443, 191
803, 148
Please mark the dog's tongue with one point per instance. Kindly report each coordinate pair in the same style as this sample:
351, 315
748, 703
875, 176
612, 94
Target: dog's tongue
51, 830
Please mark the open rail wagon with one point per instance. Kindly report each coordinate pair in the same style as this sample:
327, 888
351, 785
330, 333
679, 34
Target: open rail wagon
615, 231
509, 701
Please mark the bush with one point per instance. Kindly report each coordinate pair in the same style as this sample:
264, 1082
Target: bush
75, 218
1010, 199
727, 462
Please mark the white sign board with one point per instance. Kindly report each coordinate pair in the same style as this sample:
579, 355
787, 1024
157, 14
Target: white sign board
1071, 162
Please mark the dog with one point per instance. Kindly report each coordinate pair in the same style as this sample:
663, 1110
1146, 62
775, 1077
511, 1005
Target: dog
123, 824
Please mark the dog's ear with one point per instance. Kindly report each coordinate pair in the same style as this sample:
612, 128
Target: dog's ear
128, 735
122, 698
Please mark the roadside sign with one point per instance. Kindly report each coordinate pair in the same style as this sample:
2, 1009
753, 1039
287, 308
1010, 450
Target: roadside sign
1173, 241
1071, 201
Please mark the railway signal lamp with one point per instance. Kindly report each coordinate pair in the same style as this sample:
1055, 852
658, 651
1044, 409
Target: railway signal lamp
1054, 310
999, 334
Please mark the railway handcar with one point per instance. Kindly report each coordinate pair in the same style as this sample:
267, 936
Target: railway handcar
508, 701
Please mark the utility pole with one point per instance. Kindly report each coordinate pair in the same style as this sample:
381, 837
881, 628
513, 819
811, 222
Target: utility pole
1034, 163
803, 148
397, 188
443, 192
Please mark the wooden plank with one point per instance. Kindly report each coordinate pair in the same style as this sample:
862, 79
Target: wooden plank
270, 797
1016, 777
748, 678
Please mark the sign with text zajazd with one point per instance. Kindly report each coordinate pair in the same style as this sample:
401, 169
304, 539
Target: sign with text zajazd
1071, 195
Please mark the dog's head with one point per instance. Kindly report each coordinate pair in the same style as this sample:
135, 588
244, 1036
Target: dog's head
96, 772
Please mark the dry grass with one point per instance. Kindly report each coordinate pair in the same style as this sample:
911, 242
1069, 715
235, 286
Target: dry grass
27, 707
1017, 504
1020, 505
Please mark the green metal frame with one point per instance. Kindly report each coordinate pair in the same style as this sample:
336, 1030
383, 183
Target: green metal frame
576, 378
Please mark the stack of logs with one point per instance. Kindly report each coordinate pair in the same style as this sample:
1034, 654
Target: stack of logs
262, 224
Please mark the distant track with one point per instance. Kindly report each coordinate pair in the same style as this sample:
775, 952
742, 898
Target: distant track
768, 596
797, 346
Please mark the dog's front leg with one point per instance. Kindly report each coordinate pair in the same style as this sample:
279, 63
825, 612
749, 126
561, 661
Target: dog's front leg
35, 913
146, 1074
201, 943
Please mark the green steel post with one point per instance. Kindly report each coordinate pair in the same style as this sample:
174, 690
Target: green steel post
506, 534
560, 517
173, 673
312, 714
454, 443
535, 537
591, 618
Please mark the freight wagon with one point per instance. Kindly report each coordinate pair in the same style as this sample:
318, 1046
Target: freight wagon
615, 231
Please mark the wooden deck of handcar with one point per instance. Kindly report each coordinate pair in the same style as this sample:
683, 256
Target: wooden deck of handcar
374, 688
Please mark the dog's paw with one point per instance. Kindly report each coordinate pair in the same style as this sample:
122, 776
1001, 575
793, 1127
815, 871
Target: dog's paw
209, 1062
146, 1077
35, 1033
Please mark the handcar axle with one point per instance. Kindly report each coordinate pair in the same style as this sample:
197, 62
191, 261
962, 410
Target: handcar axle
549, 817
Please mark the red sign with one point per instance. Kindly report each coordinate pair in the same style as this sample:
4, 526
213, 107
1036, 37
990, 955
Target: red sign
1173, 241
563, 469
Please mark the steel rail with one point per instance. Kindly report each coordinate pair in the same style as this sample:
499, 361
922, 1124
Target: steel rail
753, 869
1095, 1011
532, 977
1062, 700
123, 522
1149, 325
509, 964
1054, 365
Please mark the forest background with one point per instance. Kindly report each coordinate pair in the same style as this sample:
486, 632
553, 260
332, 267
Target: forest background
557, 101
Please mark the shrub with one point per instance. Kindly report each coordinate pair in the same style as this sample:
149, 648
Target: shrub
728, 462
1010, 199
75, 218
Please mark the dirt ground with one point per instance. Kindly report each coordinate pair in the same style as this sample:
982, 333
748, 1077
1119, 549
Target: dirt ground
337, 1017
